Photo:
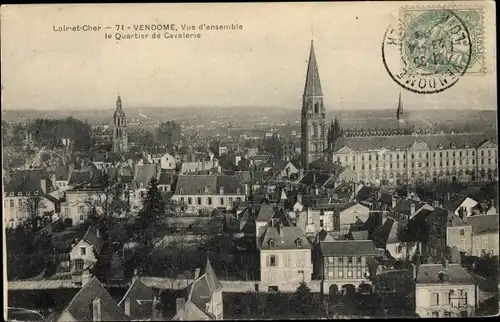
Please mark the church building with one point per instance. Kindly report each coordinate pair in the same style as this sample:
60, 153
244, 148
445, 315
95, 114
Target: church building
120, 139
314, 140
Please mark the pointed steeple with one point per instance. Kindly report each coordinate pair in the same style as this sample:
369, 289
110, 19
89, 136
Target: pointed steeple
399, 112
118, 102
313, 84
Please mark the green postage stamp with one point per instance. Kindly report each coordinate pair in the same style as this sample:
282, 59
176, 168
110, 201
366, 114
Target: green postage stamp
437, 38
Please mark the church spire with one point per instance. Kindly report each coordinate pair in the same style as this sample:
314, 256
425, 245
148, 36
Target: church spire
313, 84
118, 101
399, 112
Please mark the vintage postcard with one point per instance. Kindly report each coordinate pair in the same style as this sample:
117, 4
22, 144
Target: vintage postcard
249, 161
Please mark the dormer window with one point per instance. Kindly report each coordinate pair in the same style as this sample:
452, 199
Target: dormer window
298, 242
443, 277
440, 147
453, 145
221, 190
19, 193
11, 194
206, 189
271, 242
36, 193
28, 193
238, 191
199, 190
181, 191
142, 185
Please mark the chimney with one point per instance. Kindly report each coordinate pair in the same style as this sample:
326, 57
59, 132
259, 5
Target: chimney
96, 309
301, 173
180, 304
412, 209
43, 184
156, 314
197, 273
316, 191
436, 203
127, 306
394, 202
445, 264
447, 196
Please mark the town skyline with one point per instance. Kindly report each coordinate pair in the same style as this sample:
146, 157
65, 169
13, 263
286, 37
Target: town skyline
262, 65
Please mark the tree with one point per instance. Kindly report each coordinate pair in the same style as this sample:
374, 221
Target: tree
103, 208
153, 208
302, 298
33, 206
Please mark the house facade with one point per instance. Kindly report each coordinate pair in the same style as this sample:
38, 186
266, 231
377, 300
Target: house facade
444, 290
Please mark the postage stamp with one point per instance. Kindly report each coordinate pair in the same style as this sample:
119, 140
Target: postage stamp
416, 21
432, 47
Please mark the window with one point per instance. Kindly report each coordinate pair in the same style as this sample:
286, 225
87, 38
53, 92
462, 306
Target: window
341, 273
79, 264
81, 217
190, 201
462, 232
83, 251
20, 203
66, 211
80, 209
182, 200
321, 223
238, 199
12, 203
359, 274
349, 273
221, 201
349, 260
209, 200
272, 261
434, 299
358, 260
198, 200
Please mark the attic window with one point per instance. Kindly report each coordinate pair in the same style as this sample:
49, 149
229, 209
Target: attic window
28, 193
206, 189
271, 242
440, 147
36, 193
221, 190
443, 277
298, 242
238, 191
19, 193
181, 191
453, 145
11, 194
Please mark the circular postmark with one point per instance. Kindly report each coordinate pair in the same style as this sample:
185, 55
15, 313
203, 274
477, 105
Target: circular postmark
430, 53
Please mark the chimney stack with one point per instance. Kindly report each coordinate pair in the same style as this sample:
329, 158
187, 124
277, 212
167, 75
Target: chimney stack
127, 306
412, 209
394, 202
197, 273
447, 196
445, 264
436, 203
180, 304
96, 309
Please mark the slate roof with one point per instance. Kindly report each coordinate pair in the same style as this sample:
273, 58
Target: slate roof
454, 202
28, 181
266, 212
286, 240
244, 176
445, 218
315, 178
404, 142
312, 86
365, 193
195, 184
429, 274
62, 173
200, 293
483, 224
404, 206
348, 248
91, 237
144, 173
80, 306
166, 178
387, 233
80, 177
141, 300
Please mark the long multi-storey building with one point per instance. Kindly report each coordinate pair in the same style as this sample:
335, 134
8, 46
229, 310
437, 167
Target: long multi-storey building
426, 157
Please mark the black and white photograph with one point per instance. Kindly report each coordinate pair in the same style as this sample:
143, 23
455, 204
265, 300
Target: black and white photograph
249, 161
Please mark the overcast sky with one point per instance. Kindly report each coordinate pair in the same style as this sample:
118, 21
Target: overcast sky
262, 65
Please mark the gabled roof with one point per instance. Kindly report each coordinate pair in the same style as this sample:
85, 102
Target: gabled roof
387, 233
365, 193
80, 306
144, 173
284, 237
454, 202
28, 181
62, 173
404, 206
445, 218
166, 178
141, 300
92, 238
199, 294
348, 248
429, 274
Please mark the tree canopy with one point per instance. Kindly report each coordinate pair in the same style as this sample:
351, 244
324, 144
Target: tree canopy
51, 132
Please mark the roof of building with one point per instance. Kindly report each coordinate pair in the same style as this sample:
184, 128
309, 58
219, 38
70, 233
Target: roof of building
483, 224
365, 193
199, 293
387, 233
404, 206
166, 178
313, 85
198, 166
206, 184
403, 142
80, 306
347, 248
144, 173
141, 300
62, 173
445, 218
28, 181
284, 237
430, 274
92, 237
454, 202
